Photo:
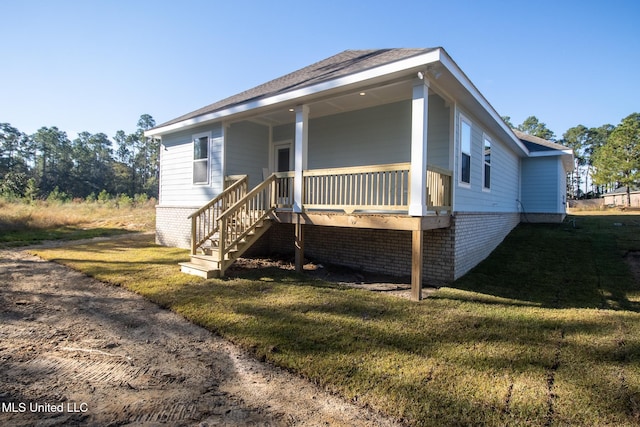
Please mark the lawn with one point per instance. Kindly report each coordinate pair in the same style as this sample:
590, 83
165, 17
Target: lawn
546, 331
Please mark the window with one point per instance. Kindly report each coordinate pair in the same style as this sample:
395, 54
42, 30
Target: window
465, 151
487, 163
201, 159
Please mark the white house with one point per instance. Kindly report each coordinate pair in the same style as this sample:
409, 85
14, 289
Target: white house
384, 160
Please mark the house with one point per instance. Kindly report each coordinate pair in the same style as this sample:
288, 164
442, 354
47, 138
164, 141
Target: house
619, 197
383, 160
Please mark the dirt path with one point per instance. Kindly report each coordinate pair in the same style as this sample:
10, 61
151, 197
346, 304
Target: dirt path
75, 351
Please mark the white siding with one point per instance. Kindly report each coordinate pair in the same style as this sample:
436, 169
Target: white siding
543, 185
502, 195
247, 150
176, 168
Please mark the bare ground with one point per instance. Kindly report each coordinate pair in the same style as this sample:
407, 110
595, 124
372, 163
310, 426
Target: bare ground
75, 351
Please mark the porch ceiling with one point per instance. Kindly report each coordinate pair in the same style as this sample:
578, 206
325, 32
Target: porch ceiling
353, 100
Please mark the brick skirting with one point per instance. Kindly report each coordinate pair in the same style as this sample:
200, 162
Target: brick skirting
449, 253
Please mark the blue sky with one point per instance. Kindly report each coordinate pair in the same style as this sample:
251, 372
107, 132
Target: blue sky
96, 66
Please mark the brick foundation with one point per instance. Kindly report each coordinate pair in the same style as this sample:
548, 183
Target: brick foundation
477, 235
373, 250
173, 227
449, 253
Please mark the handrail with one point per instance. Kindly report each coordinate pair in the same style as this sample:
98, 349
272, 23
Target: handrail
238, 183
204, 220
240, 219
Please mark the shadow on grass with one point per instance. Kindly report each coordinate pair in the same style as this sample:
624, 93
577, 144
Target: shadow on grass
445, 361
577, 264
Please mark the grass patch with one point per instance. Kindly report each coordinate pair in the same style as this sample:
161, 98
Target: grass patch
546, 331
29, 223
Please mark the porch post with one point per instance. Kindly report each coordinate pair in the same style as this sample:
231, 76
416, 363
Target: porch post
417, 243
419, 130
300, 153
299, 245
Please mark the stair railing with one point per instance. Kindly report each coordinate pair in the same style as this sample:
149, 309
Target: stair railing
239, 220
204, 221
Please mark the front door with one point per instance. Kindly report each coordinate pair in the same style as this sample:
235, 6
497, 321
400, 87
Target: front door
283, 156
283, 162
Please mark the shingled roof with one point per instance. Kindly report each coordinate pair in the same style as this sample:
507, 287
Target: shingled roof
534, 143
342, 64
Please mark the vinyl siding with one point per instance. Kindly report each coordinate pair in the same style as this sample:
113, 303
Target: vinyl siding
247, 150
371, 136
438, 141
504, 191
176, 168
543, 185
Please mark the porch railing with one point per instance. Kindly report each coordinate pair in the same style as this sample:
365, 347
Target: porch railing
439, 195
378, 187
204, 221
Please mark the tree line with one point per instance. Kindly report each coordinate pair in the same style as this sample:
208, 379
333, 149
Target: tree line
605, 158
48, 163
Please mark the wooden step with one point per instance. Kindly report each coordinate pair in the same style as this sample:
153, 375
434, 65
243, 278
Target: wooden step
208, 265
199, 270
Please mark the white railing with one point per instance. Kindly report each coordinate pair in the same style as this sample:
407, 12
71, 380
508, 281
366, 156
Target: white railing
373, 188
379, 187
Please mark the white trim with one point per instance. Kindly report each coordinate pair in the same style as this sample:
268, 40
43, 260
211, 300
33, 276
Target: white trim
485, 138
288, 143
300, 154
459, 75
193, 160
419, 132
331, 85
462, 118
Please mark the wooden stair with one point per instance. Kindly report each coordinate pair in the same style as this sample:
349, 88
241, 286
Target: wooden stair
208, 264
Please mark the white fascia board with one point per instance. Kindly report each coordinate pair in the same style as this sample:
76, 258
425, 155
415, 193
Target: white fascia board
453, 68
351, 79
567, 156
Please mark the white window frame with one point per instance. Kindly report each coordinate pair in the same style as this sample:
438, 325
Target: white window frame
206, 160
461, 151
486, 139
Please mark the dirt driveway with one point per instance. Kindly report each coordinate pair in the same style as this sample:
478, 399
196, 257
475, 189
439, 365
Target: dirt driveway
75, 351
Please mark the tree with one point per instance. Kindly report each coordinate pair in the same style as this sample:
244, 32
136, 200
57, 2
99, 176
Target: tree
618, 160
14, 150
140, 156
532, 126
507, 120
54, 159
576, 139
92, 171
596, 138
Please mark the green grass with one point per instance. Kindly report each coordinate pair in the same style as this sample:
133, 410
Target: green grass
546, 331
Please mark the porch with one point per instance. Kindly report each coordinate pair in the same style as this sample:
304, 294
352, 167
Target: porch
374, 197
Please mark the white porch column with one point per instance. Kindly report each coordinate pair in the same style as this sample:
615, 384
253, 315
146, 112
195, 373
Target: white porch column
418, 168
300, 152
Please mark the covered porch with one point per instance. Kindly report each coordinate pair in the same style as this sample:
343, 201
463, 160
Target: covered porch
373, 197
377, 158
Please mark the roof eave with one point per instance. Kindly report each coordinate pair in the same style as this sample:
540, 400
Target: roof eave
567, 156
366, 76
462, 78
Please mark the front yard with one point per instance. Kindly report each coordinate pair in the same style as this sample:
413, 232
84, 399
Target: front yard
544, 332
